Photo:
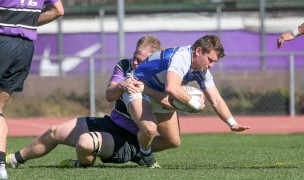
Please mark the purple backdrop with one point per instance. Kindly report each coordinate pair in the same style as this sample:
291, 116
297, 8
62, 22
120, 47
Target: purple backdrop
234, 41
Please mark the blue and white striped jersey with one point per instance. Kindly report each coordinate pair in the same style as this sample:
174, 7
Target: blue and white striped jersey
154, 69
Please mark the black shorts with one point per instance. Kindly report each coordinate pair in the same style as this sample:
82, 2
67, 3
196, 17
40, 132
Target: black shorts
16, 54
126, 144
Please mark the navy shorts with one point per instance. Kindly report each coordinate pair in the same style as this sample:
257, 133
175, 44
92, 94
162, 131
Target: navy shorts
126, 143
16, 54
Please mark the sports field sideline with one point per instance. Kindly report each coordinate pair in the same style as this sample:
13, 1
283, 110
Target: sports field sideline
24, 127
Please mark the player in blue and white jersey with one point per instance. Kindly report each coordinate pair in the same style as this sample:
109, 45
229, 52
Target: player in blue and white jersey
166, 71
19, 20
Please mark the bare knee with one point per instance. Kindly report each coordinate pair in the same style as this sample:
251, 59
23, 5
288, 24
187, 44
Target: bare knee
174, 143
51, 133
149, 129
84, 143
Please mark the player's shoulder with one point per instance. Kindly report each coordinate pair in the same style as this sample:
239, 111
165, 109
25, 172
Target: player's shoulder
124, 64
177, 49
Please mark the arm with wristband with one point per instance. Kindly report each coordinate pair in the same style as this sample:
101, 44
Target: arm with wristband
221, 108
290, 35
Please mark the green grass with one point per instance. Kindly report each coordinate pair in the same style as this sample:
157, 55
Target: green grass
205, 156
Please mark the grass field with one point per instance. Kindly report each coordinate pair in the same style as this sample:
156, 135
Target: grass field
204, 156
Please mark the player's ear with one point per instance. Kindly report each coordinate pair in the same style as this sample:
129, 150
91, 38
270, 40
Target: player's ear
198, 51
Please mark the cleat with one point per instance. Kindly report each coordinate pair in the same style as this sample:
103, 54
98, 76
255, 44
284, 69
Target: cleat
150, 161
3, 173
138, 160
68, 163
11, 161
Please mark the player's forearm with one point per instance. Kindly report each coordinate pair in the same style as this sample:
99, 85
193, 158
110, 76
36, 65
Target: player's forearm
160, 97
221, 108
113, 92
50, 13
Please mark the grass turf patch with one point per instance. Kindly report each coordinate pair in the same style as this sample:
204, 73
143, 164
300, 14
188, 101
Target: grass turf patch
203, 156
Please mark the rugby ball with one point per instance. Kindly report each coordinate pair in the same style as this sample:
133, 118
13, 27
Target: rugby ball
194, 92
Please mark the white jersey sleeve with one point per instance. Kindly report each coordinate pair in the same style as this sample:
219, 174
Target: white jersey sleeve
181, 61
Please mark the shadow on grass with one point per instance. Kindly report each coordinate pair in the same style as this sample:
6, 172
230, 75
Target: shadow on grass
95, 166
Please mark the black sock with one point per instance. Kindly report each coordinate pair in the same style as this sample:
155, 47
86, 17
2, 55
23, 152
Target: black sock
2, 157
19, 158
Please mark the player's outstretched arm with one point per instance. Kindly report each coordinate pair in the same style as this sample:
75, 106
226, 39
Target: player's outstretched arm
50, 13
221, 108
290, 35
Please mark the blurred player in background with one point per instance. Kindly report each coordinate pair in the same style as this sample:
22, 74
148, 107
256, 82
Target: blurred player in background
19, 20
290, 35
112, 138
166, 71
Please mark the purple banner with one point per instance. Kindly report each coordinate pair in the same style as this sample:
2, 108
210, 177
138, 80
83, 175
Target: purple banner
87, 44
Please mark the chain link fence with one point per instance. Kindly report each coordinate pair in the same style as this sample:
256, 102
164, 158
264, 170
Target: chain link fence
80, 91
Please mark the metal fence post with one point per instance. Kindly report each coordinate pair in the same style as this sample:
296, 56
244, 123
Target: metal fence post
291, 85
92, 87
60, 45
102, 40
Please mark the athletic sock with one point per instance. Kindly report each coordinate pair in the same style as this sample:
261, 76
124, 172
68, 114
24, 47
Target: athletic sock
18, 158
145, 151
2, 157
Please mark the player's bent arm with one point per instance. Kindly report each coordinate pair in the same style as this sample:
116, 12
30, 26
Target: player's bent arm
50, 13
160, 97
116, 89
175, 91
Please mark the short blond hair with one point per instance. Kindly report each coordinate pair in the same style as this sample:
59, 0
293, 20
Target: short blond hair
148, 42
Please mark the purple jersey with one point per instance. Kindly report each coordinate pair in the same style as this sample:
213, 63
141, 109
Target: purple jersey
20, 17
119, 114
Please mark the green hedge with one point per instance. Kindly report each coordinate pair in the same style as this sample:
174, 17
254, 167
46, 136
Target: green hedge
241, 102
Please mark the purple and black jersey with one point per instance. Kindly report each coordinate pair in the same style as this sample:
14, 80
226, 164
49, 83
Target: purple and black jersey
20, 17
119, 114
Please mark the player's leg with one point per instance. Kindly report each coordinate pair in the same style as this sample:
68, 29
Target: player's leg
168, 128
4, 97
94, 144
66, 133
106, 140
141, 112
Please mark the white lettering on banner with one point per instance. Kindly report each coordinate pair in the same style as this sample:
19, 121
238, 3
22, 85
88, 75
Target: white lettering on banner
47, 68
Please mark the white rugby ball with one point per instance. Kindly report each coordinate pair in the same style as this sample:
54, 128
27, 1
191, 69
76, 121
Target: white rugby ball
194, 92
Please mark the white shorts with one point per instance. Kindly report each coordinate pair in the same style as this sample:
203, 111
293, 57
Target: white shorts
156, 107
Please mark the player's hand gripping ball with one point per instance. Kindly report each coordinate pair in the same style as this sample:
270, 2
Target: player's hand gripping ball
194, 92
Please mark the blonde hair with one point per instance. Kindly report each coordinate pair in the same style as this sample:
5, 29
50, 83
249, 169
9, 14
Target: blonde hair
148, 42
